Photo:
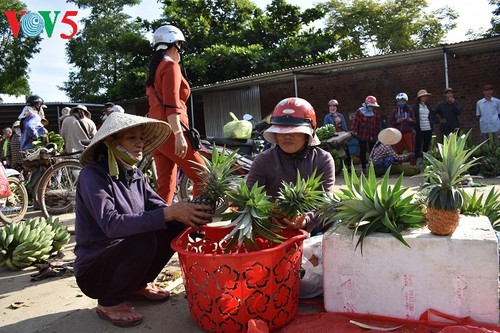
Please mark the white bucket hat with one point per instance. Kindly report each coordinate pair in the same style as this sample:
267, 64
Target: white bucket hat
269, 134
389, 136
155, 133
115, 108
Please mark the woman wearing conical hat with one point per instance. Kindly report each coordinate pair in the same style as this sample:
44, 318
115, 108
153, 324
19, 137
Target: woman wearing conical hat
123, 229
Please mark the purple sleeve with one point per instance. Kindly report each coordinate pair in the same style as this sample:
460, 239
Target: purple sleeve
258, 170
116, 210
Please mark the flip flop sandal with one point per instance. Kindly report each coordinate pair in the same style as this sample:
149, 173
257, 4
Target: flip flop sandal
161, 295
118, 322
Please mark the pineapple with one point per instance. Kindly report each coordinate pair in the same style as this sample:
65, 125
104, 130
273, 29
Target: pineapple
251, 219
442, 176
368, 205
217, 177
294, 200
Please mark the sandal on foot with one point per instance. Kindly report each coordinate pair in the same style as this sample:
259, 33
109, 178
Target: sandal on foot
151, 293
114, 317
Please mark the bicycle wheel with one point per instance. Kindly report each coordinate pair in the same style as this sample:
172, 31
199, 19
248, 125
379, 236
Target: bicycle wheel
186, 192
57, 188
14, 207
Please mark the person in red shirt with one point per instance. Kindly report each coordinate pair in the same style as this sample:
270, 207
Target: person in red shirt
168, 92
366, 126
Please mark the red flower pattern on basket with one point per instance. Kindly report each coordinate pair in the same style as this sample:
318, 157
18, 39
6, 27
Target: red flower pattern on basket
256, 276
257, 302
228, 304
226, 278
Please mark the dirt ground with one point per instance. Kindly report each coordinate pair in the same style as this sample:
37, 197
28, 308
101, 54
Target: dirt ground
57, 305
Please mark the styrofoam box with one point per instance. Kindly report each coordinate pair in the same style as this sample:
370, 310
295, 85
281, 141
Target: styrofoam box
457, 274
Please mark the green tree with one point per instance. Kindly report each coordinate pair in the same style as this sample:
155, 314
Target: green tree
229, 39
367, 27
495, 20
110, 54
15, 53
234, 38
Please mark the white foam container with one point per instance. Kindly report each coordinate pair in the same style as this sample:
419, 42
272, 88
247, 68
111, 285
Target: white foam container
457, 274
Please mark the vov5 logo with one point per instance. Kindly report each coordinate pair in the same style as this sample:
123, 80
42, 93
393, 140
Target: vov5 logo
32, 23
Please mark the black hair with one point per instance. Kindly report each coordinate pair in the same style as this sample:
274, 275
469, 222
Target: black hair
153, 65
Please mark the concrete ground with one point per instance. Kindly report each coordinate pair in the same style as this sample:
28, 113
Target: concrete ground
57, 305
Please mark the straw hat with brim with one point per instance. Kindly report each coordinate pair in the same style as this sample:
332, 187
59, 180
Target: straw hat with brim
422, 92
269, 134
80, 107
155, 133
389, 136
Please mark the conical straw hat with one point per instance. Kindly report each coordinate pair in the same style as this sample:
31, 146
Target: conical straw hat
389, 136
155, 133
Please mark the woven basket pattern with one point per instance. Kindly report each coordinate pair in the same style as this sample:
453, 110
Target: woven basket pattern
442, 222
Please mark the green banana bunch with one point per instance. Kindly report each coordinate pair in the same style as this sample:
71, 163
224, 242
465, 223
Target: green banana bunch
61, 236
325, 132
24, 243
49, 140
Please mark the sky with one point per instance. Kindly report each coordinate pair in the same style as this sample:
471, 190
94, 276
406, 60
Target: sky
49, 69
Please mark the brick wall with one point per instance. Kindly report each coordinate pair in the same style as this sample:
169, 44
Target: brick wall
466, 75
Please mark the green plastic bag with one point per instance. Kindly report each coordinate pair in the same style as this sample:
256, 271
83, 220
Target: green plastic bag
237, 129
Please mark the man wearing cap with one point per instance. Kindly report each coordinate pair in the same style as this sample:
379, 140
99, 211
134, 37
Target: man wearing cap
383, 155
448, 112
76, 128
424, 121
488, 112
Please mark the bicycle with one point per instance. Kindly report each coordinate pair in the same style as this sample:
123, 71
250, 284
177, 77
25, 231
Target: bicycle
56, 189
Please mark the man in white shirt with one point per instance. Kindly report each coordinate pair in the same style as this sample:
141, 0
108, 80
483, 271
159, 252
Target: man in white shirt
488, 112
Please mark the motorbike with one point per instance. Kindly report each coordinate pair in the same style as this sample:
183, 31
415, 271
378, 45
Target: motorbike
247, 149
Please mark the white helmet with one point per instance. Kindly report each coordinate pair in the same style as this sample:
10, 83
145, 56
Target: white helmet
402, 96
165, 36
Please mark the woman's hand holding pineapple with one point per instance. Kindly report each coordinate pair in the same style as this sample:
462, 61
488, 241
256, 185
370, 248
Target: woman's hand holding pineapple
191, 215
299, 223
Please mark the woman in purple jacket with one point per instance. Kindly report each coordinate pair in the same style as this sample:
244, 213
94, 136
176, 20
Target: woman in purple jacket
403, 119
123, 228
296, 148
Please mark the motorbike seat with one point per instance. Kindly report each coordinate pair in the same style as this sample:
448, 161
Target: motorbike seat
231, 142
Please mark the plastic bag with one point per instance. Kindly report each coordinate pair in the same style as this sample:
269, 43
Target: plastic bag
5, 191
311, 281
237, 129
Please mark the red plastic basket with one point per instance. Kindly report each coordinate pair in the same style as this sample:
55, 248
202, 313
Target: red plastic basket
225, 291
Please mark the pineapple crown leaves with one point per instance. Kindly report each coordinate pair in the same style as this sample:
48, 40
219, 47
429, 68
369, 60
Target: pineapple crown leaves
218, 175
476, 205
447, 170
367, 205
303, 196
251, 219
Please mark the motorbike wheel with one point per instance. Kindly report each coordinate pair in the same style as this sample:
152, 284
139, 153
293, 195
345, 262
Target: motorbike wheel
14, 207
186, 192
